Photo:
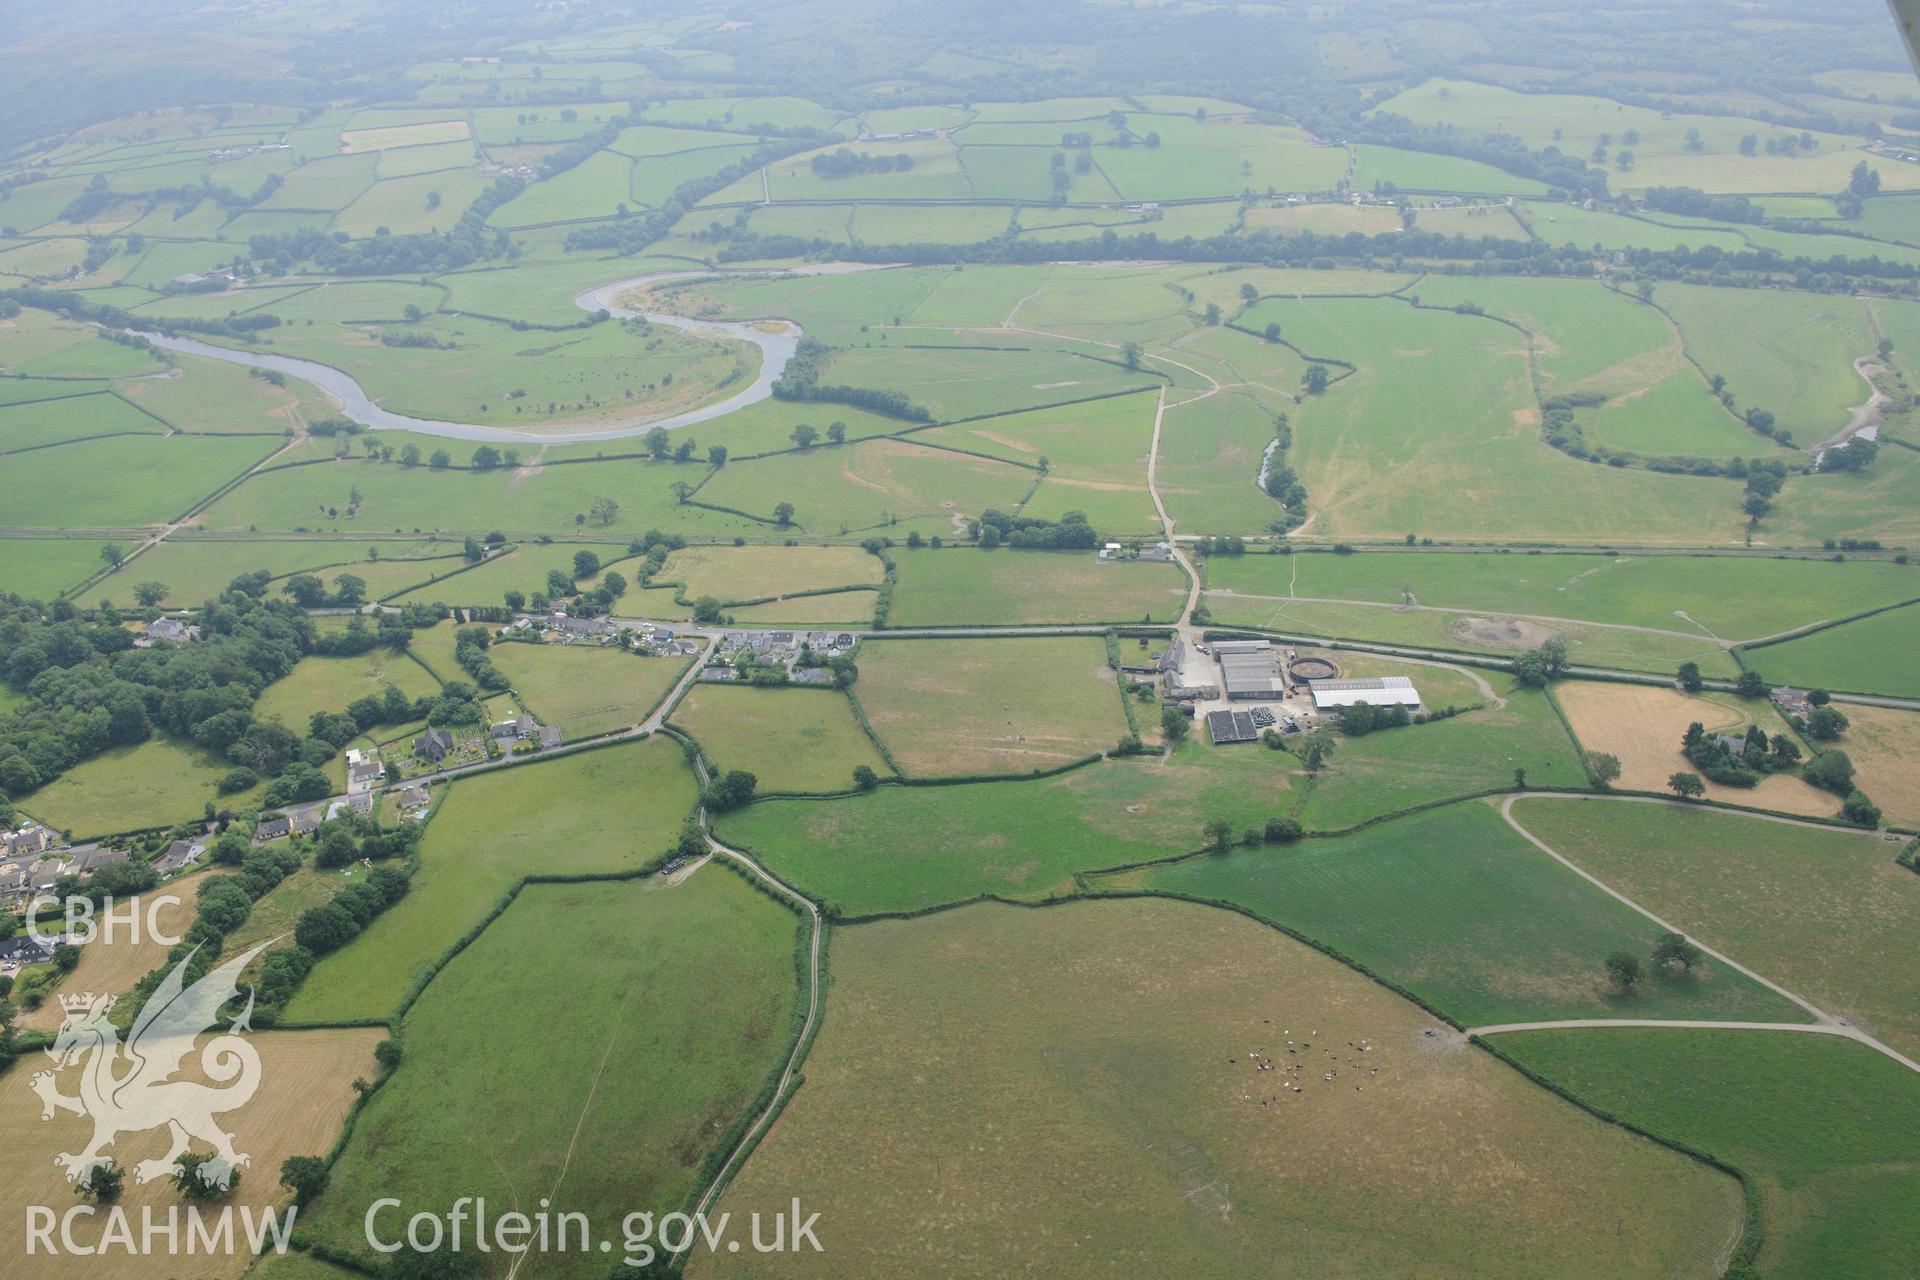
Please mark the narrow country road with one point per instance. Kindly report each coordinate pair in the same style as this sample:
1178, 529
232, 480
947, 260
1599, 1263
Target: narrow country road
1823, 1022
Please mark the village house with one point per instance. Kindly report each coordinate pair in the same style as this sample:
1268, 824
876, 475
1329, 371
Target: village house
168, 631
179, 855
274, 828
364, 771
1792, 701
550, 736
25, 949
28, 840
513, 728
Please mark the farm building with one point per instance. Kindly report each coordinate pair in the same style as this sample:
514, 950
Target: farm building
1375, 691
1231, 726
1249, 670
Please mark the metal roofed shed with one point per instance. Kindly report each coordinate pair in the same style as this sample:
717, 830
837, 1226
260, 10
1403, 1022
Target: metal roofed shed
1249, 670
1231, 726
1375, 691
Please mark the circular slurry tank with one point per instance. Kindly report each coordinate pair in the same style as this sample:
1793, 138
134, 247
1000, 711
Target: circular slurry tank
1312, 669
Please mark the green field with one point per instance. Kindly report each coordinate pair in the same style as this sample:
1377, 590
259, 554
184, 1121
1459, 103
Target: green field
1389, 771
1873, 655
761, 572
946, 708
332, 684
1456, 907
890, 485
1575, 123
1789, 353
909, 848
1825, 1129
1095, 455
1128, 1028
1422, 171
1477, 468
790, 739
643, 1059
955, 382
521, 568
42, 568
1730, 597
198, 569
155, 784
1816, 911
489, 833
965, 587
586, 690
129, 481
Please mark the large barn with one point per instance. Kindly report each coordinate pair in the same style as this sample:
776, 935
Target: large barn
1249, 670
1375, 691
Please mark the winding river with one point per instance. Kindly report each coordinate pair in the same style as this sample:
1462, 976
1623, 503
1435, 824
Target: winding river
777, 342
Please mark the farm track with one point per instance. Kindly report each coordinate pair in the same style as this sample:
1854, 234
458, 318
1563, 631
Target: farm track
1823, 1023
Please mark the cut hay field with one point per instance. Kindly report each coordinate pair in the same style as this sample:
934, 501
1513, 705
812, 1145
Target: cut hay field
946, 708
1732, 597
795, 739
1825, 1129
332, 684
1394, 769
760, 572
962, 586
117, 965
1817, 911
1477, 467
1884, 745
157, 783
893, 485
586, 690
1642, 726
304, 1096
1131, 1026
554, 817
644, 1058
1455, 906
910, 848
1873, 655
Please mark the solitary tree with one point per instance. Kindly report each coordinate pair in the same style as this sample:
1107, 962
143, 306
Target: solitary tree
1249, 293
804, 436
1750, 685
1173, 724
585, 564
1824, 724
864, 778
150, 593
717, 455
194, 1181
1689, 677
1623, 970
783, 514
1219, 835
1674, 949
1315, 379
837, 432
1130, 355
1687, 785
112, 554
681, 492
1273, 331
1606, 768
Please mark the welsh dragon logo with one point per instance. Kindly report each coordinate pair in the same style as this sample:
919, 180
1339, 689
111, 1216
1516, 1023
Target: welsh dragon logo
129, 1088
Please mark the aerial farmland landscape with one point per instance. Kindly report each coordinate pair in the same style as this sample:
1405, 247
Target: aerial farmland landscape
859, 638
